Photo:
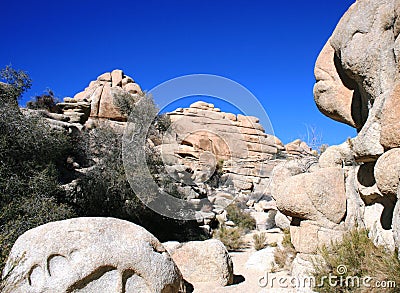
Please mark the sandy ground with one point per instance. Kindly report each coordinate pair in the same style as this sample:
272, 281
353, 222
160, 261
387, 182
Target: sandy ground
246, 280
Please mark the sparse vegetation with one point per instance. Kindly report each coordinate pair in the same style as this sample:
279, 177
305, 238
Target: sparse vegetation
231, 237
32, 160
284, 255
361, 258
240, 218
259, 241
47, 101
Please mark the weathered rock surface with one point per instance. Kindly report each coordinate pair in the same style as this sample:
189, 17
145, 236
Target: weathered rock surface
387, 172
90, 255
313, 196
329, 84
357, 74
299, 148
205, 140
336, 156
203, 261
310, 236
103, 92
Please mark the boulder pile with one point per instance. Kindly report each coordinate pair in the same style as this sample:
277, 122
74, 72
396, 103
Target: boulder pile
355, 183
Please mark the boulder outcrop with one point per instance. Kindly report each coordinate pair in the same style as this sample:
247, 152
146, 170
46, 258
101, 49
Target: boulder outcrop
203, 261
90, 255
357, 73
103, 92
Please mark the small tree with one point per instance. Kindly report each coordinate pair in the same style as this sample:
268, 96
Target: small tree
16, 82
46, 101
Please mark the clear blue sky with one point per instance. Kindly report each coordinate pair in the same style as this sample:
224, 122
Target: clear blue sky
269, 47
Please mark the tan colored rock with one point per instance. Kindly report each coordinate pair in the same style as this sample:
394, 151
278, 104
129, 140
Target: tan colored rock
313, 196
282, 221
107, 109
309, 237
104, 77
90, 255
379, 224
102, 93
299, 148
387, 172
390, 133
95, 101
204, 261
363, 52
133, 88
337, 156
116, 77
331, 94
304, 237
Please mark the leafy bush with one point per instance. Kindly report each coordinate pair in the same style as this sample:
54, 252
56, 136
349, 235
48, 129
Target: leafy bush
31, 159
105, 191
46, 101
285, 255
361, 258
16, 83
230, 237
126, 102
259, 241
240, 218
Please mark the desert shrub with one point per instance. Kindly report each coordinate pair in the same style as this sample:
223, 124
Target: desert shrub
361, 258
31, 157
285, 255
126, 102
240, 218
16, 82
46, 101
105, 191
230, 237
259, 241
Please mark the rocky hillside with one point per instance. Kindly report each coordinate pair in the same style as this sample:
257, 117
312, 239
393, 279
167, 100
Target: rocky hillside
240, 179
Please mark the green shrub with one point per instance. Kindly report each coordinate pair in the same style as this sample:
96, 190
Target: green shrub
361, 258
230, 237
240, 218
32, 157
259, 241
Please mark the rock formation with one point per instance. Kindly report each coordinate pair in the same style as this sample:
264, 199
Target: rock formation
206, 138
99, 102
203, 261
355, 183
205, 144
90, 255
102, 94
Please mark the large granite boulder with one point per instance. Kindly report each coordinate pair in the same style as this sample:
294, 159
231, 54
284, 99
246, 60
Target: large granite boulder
314, 196
357, 73
203, 261
90, 255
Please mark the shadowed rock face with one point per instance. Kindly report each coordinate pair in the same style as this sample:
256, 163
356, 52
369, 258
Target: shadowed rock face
90, 255
357, 72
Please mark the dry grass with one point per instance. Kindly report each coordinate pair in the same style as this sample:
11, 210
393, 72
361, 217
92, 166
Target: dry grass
259, 241
362, 259
231, 237
240, 218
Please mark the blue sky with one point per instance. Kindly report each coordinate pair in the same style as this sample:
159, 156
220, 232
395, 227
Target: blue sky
269, 47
